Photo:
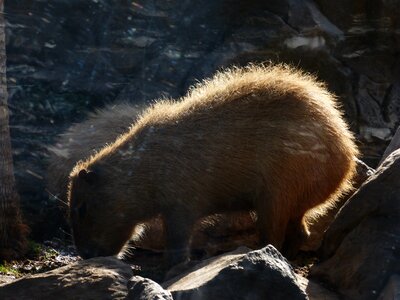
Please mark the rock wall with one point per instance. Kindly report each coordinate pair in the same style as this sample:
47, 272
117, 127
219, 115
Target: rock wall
68, 57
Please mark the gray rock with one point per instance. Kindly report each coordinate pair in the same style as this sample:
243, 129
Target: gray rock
393, 146
146, 289
315, 291
259, 274
361, 247
97, 278
4, 279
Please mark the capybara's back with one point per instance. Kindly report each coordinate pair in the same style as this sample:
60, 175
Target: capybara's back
264, 138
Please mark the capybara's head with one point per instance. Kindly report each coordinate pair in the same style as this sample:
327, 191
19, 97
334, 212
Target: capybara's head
100, 225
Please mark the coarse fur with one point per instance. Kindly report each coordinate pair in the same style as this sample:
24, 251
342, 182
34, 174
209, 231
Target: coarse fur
263, 138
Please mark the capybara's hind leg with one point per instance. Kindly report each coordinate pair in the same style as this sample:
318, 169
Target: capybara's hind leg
296, 234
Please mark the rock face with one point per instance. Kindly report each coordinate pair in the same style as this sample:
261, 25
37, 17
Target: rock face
393, 146
361, 247
98, 278
260, 274
67, 57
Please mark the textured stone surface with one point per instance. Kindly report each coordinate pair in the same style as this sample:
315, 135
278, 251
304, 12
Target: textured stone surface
315, 291
145, 289
98, 278
259, 274
68, 57
361, 247
393, 146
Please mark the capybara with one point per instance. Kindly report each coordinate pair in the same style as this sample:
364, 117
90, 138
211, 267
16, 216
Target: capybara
263, 138
83, 139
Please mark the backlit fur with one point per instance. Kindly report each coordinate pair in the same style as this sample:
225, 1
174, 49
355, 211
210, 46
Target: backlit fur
267, 138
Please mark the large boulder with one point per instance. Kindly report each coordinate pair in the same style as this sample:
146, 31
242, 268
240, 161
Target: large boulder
361, 247
97, 278
259, 274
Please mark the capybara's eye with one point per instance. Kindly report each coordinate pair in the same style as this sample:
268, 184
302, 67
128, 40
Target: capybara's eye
82, 210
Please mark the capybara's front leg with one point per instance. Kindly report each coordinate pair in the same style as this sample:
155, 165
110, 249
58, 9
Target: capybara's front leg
271, 221
270, 232
178, 230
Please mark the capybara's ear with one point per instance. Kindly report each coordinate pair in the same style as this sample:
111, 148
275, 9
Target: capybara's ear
87, 176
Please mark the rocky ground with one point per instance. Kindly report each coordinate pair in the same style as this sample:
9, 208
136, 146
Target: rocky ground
41, 257
143, 263
56, 253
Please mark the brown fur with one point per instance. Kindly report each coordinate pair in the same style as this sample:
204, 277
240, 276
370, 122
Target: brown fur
264, 138
83, 139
